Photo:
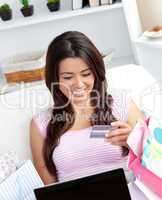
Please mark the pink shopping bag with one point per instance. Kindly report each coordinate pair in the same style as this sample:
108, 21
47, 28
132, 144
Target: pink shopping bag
144, 175
136, 142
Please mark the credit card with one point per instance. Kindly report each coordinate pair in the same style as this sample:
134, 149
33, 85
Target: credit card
99, 131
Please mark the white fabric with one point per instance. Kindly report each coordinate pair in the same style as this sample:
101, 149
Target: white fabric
16, 111
141, 85
8, 164
15, 119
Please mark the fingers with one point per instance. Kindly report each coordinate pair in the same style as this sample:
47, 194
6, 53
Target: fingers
120, 135
118, 132
118, 140
120, 124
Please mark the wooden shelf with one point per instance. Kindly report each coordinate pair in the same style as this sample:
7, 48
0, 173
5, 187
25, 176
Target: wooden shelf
47, 16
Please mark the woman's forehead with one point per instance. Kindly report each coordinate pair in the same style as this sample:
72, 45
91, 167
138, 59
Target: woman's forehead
72, 65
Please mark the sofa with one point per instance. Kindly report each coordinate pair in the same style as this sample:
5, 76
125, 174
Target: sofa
18, 107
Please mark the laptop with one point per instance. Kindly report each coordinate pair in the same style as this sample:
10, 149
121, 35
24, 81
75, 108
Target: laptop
104, 186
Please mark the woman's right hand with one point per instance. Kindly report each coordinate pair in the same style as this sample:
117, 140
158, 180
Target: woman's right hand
120, 134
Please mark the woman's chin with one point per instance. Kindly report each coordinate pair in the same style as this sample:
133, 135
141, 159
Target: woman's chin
79, 100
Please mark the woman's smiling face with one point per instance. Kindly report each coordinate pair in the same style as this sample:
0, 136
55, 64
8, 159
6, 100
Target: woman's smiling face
76, 80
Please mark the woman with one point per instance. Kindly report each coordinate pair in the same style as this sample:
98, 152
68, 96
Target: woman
61, 145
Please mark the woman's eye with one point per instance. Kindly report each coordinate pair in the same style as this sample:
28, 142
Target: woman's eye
88, 74
67, 78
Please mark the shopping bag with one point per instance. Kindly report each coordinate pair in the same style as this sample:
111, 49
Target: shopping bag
137, 148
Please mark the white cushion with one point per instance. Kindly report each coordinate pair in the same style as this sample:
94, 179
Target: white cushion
17, 109
142, 86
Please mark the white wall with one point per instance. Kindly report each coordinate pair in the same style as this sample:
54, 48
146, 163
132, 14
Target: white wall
107, 29
142, 15
150, 13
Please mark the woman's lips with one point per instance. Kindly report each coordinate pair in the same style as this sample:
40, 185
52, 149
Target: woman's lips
78, 93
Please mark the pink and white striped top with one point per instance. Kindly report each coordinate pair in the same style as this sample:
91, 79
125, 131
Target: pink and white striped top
78, 155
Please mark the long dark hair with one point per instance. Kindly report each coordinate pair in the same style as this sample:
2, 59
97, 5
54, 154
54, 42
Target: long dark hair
73, 44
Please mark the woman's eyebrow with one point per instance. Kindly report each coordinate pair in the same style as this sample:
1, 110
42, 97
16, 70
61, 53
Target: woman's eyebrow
84, 70
66, 73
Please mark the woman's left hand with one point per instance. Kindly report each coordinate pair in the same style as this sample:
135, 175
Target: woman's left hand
119, 136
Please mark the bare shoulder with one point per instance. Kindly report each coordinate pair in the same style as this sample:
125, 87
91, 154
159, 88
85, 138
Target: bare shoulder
134, 113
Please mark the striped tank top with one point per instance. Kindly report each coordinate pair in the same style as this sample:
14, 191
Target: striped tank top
78, 155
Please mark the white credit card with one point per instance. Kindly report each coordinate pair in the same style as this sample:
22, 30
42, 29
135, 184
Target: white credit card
99, 131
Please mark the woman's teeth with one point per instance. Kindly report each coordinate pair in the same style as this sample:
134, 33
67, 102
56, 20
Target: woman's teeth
78, 92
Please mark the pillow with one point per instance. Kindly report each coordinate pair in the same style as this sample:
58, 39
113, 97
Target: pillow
8, 164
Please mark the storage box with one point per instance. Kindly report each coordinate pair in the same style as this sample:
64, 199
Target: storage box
25, 67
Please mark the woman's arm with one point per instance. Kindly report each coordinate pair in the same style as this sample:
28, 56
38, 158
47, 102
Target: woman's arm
134, 114
36, 142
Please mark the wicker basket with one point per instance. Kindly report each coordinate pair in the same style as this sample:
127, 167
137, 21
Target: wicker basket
25, 67
25, 76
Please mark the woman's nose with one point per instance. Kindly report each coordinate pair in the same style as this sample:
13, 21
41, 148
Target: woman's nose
78, 82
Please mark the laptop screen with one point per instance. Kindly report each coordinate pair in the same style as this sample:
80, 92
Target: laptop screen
104, 186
